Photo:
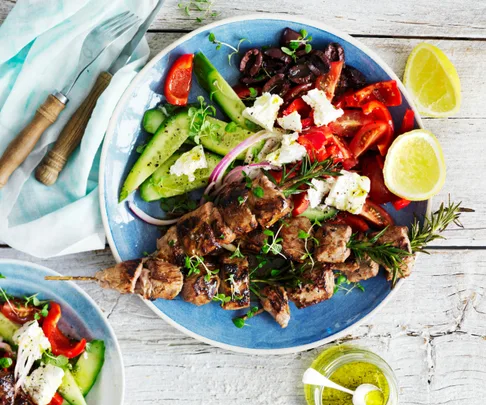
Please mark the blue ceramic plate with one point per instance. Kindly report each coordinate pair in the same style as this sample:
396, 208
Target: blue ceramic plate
80, 316
129, 237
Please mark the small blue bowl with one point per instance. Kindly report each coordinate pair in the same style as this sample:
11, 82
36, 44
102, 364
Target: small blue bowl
129, 237
80, 317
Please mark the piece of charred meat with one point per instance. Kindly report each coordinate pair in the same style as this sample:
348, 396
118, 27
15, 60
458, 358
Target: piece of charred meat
23, 399
253, 241
276, 302
357, 269
169, 249
294, 247
198, 289
203, 231
318, 286
235, 282
159, 279
122, 277
232, 201
398, 236
333, 240
7, 387
267, 202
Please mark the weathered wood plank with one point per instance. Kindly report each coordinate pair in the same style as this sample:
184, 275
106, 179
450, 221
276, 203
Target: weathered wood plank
430, 331
450, 18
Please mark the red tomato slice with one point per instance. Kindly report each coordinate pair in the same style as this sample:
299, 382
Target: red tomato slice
57, 399
378, 111
371, 167
315, 140
244, 92
408, 122
376, 215
387, 92
329, 81
298, 105
277, 175
349, 123
356, 223
368, 136
300, 203
17, 312
178, 80
401, 204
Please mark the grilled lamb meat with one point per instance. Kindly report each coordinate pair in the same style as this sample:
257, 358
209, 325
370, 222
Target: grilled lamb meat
357, 269
235, 282
398, 236
159, 279
319, 286
169, 248
233, 205
276, 302
7, 388
122, 277
293, 247
197, 290
253, 241
271, 205
202, 231
333, 241
23, 399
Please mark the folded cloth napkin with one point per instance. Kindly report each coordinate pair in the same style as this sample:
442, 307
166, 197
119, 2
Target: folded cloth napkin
40, 43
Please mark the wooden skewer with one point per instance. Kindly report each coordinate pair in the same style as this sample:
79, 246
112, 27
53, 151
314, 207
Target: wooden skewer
77, 278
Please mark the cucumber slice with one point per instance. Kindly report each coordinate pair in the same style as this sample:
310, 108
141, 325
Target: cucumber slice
7, 329
224, 141
215, 84
316, 214
70, 390
89, 365
168, 138
162, 184
152, 119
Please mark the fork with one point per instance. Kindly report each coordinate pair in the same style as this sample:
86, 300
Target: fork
94, 44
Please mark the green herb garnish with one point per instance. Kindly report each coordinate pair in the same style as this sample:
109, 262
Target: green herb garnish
295, 44
202, 9
219, 44
240, 321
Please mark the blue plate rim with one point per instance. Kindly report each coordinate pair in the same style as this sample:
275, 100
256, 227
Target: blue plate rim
79, 290
111, 130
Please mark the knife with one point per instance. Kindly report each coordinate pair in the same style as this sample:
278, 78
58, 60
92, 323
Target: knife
72, 134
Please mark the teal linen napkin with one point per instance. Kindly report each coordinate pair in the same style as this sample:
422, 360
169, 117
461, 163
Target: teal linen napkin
40, 42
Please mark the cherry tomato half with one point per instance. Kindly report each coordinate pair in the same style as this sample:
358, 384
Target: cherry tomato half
178, 80
329, 81
300, 203
57, 399
244, 92
401, 204
376, 215
356, 223
369, 135
378, 111
17, 312
408, 122
349, 123
371, 167
387, 92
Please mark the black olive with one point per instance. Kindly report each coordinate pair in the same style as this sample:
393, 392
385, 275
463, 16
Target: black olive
276, 53
297, 91
300, 74
253, 80
351, 79
334, 52
288, 35
277, 85
251, 62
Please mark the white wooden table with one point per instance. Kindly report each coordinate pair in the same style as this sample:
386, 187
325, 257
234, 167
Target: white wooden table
433, 332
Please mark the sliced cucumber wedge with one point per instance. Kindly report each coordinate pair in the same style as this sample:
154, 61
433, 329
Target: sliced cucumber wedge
168, 138
152, 119
89, 365
70, 390
162, 184
7, 328
317, 214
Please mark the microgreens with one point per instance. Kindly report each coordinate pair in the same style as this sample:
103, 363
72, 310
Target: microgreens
33, 300
307, 236
222, 298
202, 8
258, 192
59, 361
141, 148
5, 362
231, 127
342, 283
192, 264
295, 44
240, 321
2, 276
178, 205
199, 125
273, 244
219, 44
237, 253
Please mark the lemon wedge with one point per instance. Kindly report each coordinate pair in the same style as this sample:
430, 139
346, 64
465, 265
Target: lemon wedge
414, 167
433, 81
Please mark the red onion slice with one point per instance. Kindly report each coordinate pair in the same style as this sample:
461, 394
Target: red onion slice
149, 219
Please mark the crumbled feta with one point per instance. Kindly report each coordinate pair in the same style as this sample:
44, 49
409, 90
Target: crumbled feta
43, 383
189, 162
290, 151
317, 191
264, 111
349, 192
292, 122
324, 111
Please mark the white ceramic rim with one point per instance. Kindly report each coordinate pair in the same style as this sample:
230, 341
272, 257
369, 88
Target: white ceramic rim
92, 302
111, 128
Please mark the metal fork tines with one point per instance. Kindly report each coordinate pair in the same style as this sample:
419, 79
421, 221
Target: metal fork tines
99, 39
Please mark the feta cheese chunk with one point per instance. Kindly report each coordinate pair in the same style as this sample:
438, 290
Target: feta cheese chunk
189, 162
324, 111
291, 122
349, 192
264, 111
317, 191
290, 151
43, 383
